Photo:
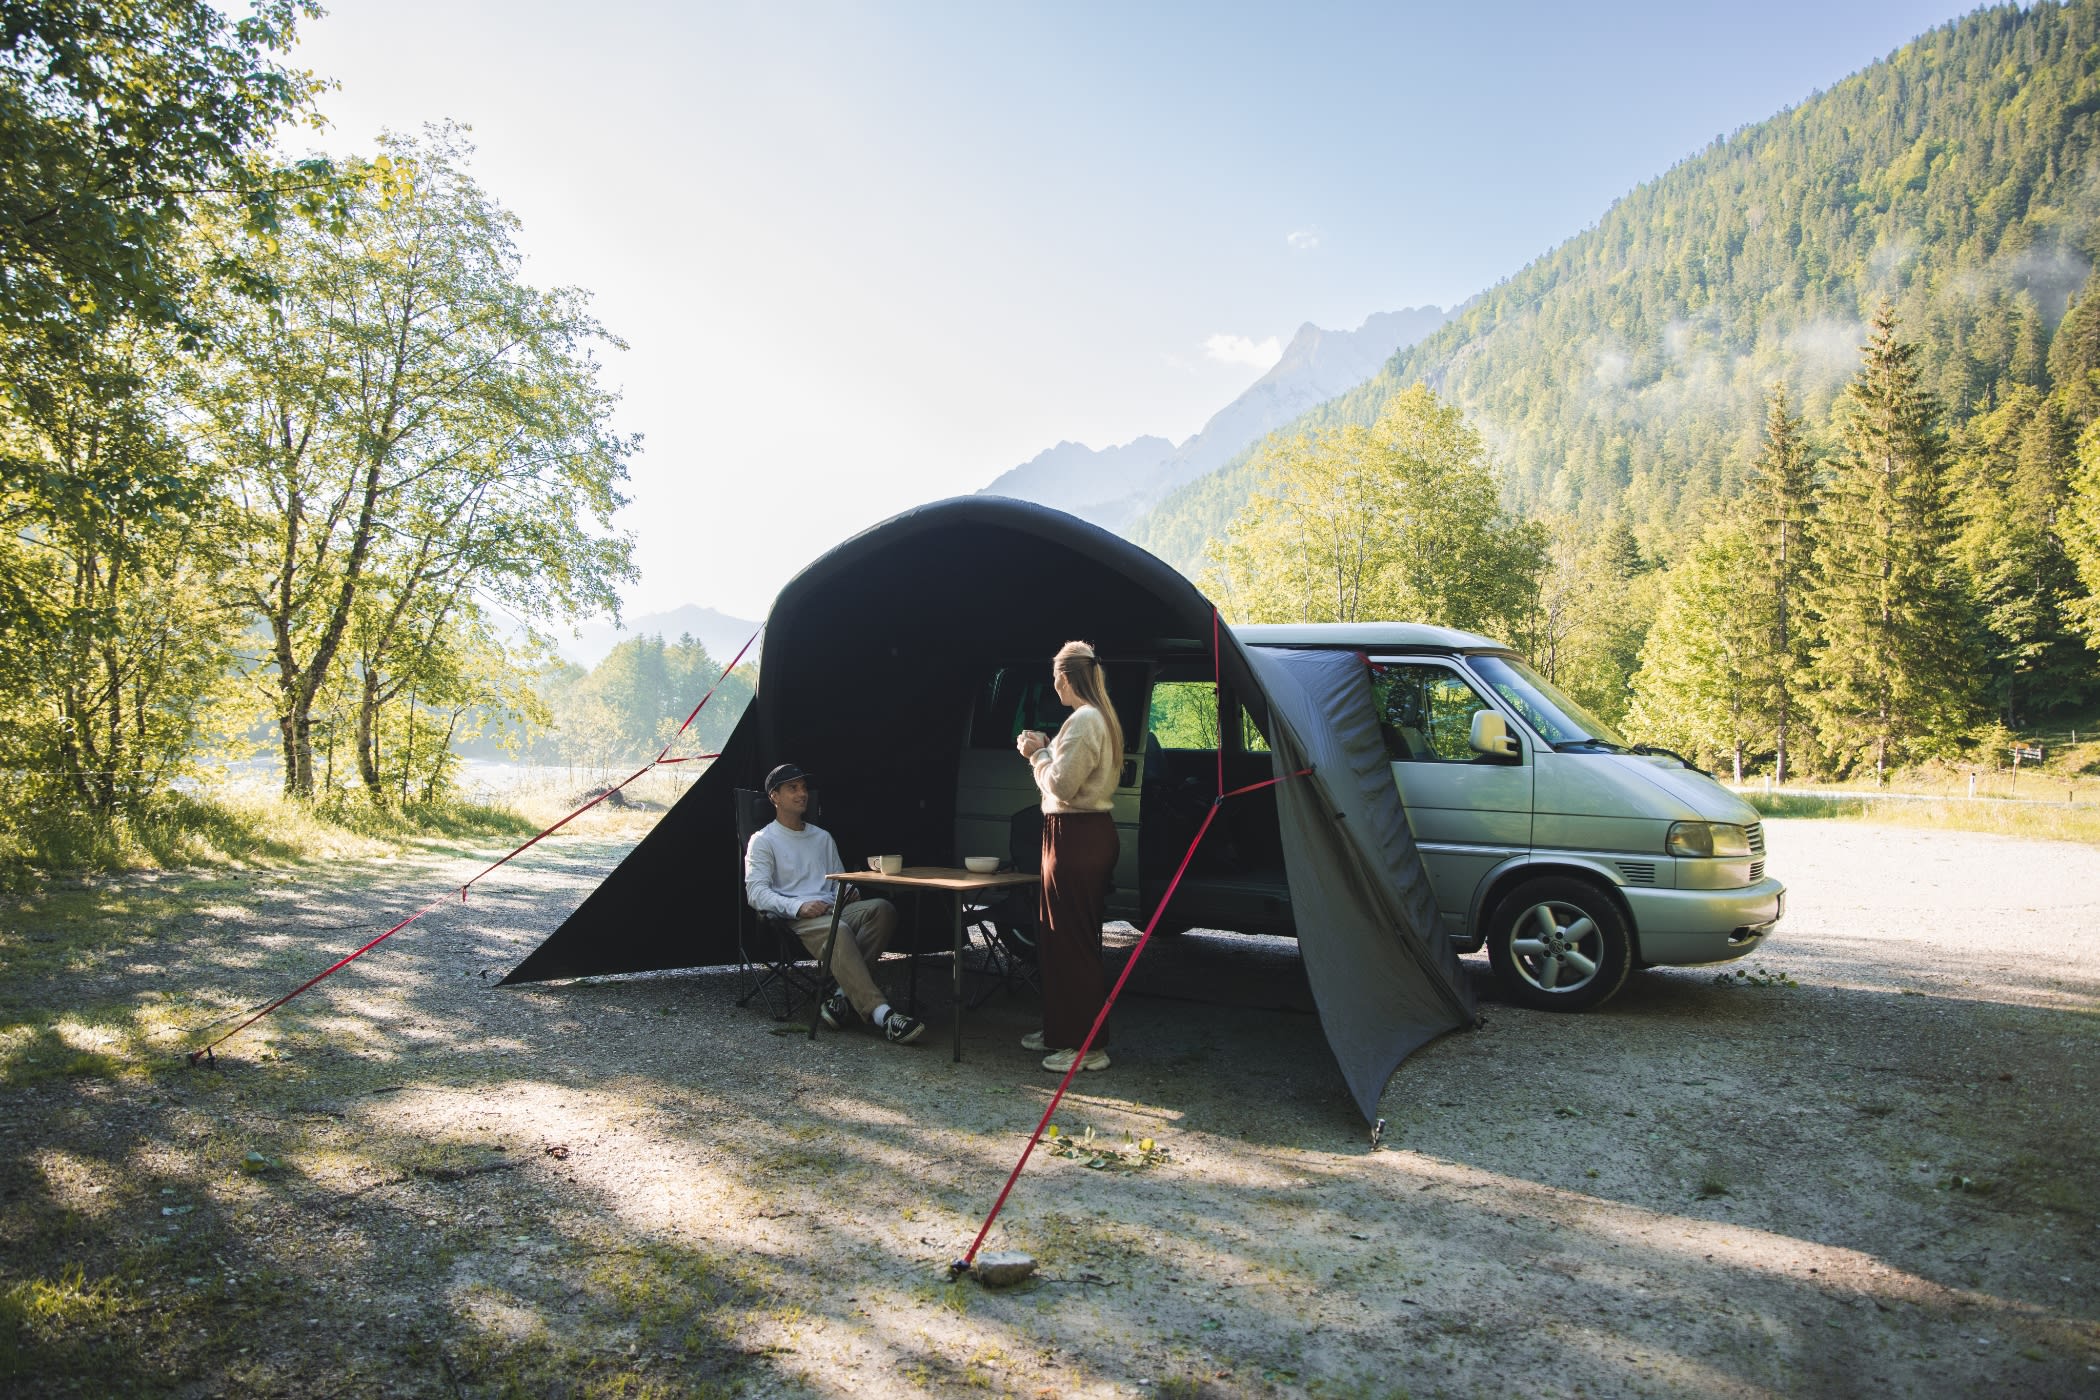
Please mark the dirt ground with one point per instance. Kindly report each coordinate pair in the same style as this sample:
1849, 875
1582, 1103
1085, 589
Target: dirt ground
1868, 1166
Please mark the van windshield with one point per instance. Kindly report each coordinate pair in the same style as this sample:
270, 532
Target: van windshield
1559, 721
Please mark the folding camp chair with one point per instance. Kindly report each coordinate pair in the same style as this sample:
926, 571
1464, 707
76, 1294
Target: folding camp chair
773, 956
1005, 923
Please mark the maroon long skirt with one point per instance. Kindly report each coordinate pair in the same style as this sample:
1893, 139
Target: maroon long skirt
1079, 864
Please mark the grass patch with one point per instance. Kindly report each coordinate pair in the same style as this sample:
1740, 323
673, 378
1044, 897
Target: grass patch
2039, 821
103, 1042
179, 830
47, 1321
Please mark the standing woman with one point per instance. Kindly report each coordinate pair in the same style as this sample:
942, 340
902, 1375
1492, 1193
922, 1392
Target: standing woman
1077, 774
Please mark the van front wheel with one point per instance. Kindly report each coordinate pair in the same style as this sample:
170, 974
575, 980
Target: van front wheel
1559, 944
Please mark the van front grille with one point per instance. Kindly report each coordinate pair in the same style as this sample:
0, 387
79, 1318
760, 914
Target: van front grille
1757, 871
1757, 838
1637, 872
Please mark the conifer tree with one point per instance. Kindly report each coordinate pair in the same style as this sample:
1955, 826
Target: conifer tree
1780, 505
2013, 483
2074, 357
1893, 661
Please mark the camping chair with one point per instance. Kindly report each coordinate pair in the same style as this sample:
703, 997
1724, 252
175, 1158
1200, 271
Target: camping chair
772, 954
1004, 921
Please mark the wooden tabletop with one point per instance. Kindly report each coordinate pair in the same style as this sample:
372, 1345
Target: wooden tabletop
936, 877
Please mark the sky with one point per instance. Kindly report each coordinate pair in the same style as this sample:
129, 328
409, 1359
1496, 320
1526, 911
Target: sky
865, 256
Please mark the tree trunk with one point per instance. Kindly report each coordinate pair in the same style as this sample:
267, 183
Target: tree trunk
1779, 762
368, 737
408, 748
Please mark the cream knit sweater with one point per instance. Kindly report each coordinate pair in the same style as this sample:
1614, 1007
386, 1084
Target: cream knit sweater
1077, 772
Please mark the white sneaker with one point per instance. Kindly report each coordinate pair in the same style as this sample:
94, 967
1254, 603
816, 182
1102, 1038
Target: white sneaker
1033, 1041
1060, 1061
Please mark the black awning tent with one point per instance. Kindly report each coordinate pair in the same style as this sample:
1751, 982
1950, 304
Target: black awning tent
872, 658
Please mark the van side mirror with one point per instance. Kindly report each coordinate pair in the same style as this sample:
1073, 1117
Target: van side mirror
1491, 736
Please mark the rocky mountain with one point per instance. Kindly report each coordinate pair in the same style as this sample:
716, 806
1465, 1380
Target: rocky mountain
1089, 482
1114, 486
1623, 374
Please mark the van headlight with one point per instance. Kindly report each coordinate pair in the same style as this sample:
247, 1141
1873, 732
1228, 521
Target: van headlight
1707, 839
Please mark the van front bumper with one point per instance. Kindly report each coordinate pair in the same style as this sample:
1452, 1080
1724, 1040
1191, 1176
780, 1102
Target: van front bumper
1679, 927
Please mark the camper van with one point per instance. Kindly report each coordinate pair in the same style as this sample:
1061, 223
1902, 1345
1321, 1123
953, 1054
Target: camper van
1571, 855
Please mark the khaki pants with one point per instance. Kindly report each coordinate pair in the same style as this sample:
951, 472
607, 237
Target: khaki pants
864, 931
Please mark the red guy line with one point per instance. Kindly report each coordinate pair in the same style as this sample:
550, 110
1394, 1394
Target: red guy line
1080, 1058
1135, 953
199, 1054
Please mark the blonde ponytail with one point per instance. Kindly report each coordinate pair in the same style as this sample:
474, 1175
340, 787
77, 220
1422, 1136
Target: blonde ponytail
1076, 662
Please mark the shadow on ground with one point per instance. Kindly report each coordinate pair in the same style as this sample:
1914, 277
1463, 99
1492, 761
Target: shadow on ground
411, 1183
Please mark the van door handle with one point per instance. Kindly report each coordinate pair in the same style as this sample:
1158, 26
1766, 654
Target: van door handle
1129, 778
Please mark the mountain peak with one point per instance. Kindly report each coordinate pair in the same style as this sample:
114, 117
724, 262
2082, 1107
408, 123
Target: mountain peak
1113, 485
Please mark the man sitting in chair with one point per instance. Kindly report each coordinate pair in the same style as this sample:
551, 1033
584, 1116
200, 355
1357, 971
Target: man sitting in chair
784, 870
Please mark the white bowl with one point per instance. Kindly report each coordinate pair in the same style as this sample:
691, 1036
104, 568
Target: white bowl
980, 865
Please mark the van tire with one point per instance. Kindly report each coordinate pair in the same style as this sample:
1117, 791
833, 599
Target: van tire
1585, 923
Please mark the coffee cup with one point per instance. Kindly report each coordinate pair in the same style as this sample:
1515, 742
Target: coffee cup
886, 865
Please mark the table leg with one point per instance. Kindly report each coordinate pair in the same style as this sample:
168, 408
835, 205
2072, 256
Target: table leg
918, 927
831, 943
957, 967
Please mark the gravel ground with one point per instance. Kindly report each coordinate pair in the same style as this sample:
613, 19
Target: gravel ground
1865, 1166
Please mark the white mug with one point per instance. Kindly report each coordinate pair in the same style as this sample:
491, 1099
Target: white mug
887, 865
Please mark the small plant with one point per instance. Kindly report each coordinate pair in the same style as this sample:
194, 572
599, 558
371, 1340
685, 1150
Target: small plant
1135, 1154
1753, 977
1712, 1185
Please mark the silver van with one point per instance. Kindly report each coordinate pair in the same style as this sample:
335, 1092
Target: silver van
1571, 855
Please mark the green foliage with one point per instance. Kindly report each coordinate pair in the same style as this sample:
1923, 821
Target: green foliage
2080, 524
628, 706
413, 434
1400, 519
1624, 368
1779, 510
105, 579
114, 119
1893, 664
1703, 683
2012, 484
1592, 599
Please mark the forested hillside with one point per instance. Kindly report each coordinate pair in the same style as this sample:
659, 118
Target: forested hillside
1621, 376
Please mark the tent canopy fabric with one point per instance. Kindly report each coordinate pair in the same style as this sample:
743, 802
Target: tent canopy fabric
1359, 894
872, 659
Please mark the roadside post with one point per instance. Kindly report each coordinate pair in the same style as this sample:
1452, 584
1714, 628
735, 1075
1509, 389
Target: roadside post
2031, 753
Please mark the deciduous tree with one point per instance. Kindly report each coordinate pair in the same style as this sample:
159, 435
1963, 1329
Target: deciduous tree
1401, 519
410, 428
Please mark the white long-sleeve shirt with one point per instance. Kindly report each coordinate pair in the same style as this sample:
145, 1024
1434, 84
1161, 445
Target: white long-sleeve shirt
1078, 771
783, 869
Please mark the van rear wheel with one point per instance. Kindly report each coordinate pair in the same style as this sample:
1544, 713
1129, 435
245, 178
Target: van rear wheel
1559, 944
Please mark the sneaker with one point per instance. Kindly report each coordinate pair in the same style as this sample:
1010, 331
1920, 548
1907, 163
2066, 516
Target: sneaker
1061, 1061
838, 1013
1033, 1041
901, 1029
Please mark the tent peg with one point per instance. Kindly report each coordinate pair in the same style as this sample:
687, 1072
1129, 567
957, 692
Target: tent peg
1377, 1133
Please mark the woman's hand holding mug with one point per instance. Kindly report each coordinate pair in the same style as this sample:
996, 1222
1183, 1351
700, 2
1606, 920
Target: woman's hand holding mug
1030, 741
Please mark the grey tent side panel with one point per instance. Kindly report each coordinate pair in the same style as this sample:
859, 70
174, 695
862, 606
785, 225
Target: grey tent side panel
673, 901
1382, 971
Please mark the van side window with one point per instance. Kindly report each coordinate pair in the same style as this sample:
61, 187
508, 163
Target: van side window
1425, 712
1184, 715
1022, 696
1014, 698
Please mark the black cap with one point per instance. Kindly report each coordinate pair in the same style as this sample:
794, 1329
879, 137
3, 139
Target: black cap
785, 773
